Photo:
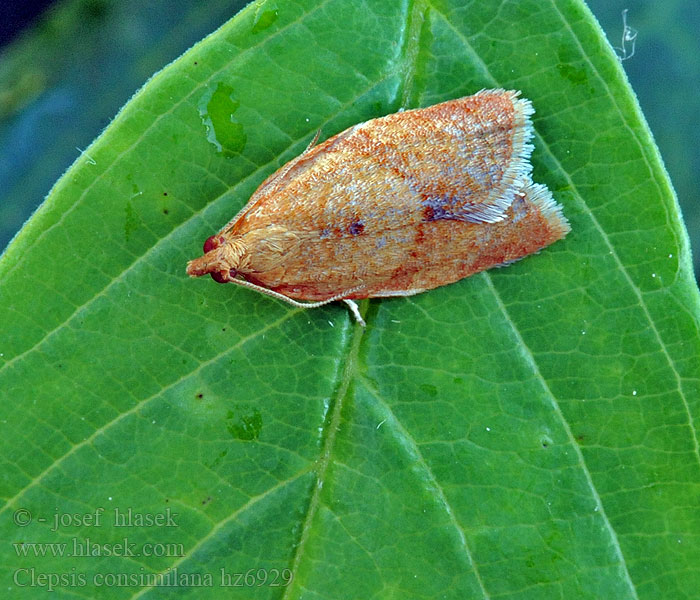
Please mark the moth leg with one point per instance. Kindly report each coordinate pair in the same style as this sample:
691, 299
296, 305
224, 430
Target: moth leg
355, 310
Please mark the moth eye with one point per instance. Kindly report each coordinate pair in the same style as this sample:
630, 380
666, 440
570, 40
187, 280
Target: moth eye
218, 277
210, 244
232, 273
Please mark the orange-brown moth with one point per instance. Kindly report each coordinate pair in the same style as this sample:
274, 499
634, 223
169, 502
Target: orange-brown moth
393, 207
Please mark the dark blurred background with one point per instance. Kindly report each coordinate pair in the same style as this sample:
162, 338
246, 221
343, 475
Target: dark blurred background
67, 66
15, 16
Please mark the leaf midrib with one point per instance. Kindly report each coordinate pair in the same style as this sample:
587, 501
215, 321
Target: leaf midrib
330, 432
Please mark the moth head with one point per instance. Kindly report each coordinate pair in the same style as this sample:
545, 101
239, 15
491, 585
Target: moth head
232, 257
223, 256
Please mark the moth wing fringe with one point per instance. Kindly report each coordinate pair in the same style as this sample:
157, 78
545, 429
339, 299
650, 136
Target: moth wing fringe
493, 209
551, 210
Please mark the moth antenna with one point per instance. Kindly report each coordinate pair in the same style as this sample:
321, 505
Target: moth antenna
312, 143
351, 304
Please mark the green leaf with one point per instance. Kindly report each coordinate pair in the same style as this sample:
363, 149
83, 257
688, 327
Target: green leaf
530, 432
664, 72
63, 79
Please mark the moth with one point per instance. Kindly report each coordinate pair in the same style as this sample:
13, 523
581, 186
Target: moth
393, 206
